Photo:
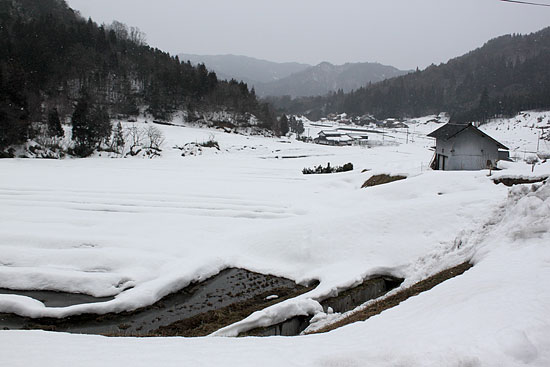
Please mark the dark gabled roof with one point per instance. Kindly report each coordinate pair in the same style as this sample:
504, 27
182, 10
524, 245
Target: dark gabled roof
450, 130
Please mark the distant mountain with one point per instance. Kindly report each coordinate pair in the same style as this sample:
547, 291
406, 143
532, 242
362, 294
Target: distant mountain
326, 77
248, 69
291, 78
507, 75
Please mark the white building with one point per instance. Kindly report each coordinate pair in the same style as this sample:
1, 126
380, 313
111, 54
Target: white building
465, 147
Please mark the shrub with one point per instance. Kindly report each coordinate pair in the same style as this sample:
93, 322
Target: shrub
328, 169
81, 151
347, 167
210, 143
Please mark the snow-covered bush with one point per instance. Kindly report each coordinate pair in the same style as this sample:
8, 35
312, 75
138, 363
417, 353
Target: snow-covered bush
531, 159
146, 140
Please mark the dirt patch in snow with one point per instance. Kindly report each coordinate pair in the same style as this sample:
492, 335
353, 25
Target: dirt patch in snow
386, 303
511, 181
381, 180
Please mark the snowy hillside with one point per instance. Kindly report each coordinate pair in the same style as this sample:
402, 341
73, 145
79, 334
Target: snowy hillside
138, 229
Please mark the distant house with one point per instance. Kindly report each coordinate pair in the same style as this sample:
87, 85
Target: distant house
465, 147
360, 139
334, 138
365, 120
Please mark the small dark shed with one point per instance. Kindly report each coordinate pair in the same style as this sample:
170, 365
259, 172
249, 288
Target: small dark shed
465, 147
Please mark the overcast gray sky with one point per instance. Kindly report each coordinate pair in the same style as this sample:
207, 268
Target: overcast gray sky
402, 33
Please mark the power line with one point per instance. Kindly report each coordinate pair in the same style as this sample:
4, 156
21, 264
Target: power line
524, 2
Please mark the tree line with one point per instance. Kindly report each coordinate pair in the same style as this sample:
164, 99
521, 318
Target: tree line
53, 59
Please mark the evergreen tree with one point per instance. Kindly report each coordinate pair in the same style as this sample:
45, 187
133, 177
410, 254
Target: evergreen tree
101, 128
484, 106
91, 125
283, 125
80, 123
14, 116
55, 130
13, 125
296, 126
118, 138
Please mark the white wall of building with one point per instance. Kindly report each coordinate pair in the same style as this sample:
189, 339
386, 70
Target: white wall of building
467, 151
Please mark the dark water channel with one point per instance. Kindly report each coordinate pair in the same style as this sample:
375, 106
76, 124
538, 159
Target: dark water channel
198, 309
195, 310
58, 299
345, 301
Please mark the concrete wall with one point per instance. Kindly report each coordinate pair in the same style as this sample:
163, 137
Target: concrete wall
467, 151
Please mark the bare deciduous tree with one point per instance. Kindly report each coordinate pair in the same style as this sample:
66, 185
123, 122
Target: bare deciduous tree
155, 137
120, 29
135, 137
137, 36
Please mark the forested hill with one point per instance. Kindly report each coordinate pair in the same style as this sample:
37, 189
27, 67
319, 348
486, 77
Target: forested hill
326, 77
506, 75
51, 57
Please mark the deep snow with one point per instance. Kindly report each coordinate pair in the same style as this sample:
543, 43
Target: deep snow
139, 229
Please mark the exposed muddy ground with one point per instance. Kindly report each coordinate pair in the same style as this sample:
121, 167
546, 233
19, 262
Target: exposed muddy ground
511, 181
198, 309
381, 180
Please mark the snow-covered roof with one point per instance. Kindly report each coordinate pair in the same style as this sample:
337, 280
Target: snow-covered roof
341, 138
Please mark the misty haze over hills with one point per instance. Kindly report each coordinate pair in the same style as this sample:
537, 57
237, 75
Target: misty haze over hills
295, 79
326, 77
248, 69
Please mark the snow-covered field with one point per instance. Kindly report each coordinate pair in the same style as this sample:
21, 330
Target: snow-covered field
139, 229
